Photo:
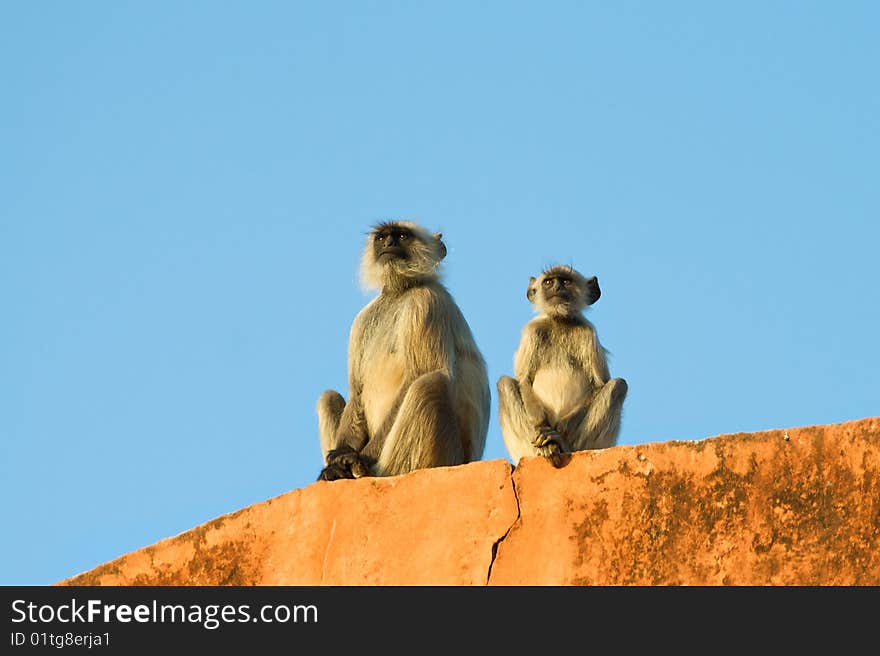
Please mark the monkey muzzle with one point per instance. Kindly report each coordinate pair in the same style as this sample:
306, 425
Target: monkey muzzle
391, 253
561, 296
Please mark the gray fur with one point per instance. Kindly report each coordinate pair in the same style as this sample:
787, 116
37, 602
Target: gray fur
418, 387
563, 398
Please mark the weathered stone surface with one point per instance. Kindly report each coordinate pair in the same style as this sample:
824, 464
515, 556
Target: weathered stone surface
795, 507
430, 527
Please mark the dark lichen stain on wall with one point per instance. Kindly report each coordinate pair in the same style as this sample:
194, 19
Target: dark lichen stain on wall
795, 500
226, 563
670, 507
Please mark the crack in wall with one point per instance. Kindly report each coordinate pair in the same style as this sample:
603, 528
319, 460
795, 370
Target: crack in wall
509, 528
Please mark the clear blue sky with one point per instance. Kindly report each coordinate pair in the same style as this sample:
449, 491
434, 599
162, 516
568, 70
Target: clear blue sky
186, 188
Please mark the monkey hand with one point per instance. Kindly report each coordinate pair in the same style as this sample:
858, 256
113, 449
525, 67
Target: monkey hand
344, 462
546, 434
550, 444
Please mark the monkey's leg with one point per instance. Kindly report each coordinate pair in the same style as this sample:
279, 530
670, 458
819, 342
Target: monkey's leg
424, 432
330, 406
516, 428
600, 424
341, 460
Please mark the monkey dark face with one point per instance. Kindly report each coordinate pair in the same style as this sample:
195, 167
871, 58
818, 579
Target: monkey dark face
392, 241
563, 291
557, 289
399, 254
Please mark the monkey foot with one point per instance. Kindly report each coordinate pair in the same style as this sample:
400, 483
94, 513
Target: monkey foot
557, 457
344, 462
334, 473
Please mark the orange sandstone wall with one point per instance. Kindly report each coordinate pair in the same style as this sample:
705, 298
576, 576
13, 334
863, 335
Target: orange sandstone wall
782, 507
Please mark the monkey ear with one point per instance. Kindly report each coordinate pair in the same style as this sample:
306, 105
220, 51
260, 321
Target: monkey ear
593, 291
530, 292
438, 237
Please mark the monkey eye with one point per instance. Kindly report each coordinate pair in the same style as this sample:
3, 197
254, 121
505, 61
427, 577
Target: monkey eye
401, 235
548, 282
566, 282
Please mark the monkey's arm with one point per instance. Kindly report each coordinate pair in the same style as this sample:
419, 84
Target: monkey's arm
352, 430
592, 356
598, 363
430, 338
525, 368
535, 410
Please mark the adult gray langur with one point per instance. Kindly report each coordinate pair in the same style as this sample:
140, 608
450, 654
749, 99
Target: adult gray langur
563, 398
418, 389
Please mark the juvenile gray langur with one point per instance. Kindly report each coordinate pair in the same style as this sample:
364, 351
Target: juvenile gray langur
418, 388
563, 398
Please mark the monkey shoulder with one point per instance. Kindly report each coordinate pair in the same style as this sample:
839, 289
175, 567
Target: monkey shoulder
434, 298
434, 306
533, 344
365, 321
537, 330
440, 313
380, 326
